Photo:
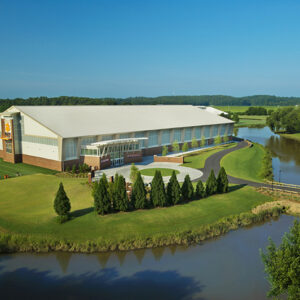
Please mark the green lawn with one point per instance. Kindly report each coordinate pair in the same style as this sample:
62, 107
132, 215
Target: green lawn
197, 159
251, 121
164, 171
11, 170
293, 136
245, 163
26, 207
242, 108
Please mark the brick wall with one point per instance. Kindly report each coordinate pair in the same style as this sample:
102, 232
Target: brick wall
105, 162
42, 162
131, 157
92, 161
152, 151
1, 153
179, 159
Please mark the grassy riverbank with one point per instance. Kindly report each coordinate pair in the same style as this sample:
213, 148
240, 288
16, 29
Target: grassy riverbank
251, 121
197, 160
293, 136
27, 219
245, 163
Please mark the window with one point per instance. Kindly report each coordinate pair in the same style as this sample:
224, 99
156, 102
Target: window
153, 139
107, 137
223, 130
88, 152
207, 132
177, 135
230, 129
198, 133
215, 130
88, 140
8, 146
125, 136
142, 142
187, 134
165, 138
70, 148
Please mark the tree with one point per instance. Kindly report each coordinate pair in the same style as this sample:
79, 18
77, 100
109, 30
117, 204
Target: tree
138, 196
101, 197
194, 143
203, 141
185, 147
158, 194
282, 264
235, 118
173, 190
175, 146
200, 190
164, 151
222, 181
218, 140
74, 169
211, 184
62, 204
133, 173
225, 138
121, 194
187, 189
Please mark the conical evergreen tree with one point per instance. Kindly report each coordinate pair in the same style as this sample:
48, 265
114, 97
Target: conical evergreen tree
113, 194
62, 204
187, 189
173, 190
138, 196
222, 181
211, 184
200, 190
121, 194
158, 194
101, 197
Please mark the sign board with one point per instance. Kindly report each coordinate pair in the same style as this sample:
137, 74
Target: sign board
7, 128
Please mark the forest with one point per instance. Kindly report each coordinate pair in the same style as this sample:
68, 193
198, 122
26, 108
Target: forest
218, 100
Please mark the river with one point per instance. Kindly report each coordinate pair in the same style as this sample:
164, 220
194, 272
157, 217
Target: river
228, 267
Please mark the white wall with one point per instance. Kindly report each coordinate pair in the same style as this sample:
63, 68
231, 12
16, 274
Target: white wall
1, 145
32, 127
40, 150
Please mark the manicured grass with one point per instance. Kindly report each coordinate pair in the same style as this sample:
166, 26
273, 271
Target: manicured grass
293, 136
251, 121
245, 163
164, 171
26, 207
242, 108
11, 170
197, 159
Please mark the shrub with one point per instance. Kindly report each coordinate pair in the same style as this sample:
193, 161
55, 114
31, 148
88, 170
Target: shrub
101, 197
185, 147
222, 181
218, 140
68, 169
187, 188
200, 190
62, 204
194, 143
133, 173
267, 169
158, 194
138, 196
164, 151
202, 141
74, 169
225, 138
173, 190
175, 146
211, 184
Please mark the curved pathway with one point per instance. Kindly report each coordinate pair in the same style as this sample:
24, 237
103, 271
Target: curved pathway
213, 163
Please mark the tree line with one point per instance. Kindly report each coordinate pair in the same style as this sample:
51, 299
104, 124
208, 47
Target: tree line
285, 119
218, 100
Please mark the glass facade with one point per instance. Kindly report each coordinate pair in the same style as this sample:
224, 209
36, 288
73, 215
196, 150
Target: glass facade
107, 137
88, 140
124, 135
215, 130
93, 152
139, 135
223, 130
197, 131
153, 139
165, 137
70, 148
187, 134
177, 135
207, 132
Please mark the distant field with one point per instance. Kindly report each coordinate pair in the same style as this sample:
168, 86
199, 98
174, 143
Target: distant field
242, 108
293, 136
251, 121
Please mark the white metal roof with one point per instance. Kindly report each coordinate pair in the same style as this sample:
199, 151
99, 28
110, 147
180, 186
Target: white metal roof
76, 120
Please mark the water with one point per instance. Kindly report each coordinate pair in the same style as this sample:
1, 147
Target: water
285, 152
229, 267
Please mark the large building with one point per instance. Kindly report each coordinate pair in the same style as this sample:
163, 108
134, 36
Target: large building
101, 136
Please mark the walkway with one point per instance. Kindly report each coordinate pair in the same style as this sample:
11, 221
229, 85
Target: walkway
213, 163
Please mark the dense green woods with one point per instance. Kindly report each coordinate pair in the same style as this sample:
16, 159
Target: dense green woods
285, 119
219, 100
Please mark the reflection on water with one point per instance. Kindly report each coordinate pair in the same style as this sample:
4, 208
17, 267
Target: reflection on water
285, 152
225, 268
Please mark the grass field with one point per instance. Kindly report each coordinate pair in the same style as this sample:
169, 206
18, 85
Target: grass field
245, 163
26, 207
164, 171
246, 121
242, 108
11, 170
197, 159
293, 136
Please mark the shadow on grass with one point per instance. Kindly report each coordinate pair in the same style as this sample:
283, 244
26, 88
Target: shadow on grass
236, 187
81, 212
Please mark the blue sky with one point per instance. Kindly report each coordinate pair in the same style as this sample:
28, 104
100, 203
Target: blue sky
149, 48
